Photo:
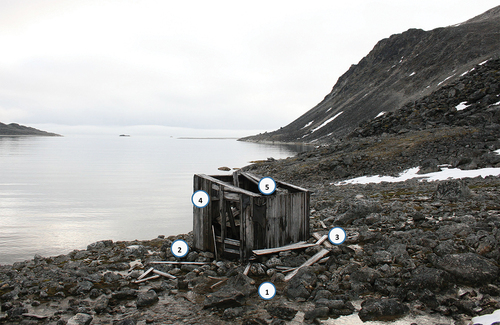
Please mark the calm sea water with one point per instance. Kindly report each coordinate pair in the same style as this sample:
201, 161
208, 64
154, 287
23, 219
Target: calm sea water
58, 194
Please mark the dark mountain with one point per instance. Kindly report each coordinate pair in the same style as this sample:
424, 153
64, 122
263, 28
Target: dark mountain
14, 129
400, 69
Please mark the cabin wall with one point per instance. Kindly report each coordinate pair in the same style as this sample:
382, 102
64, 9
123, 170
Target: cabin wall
287, 219
265, 221
202, 218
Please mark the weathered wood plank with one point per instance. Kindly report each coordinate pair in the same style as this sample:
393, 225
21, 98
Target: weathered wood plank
319, 255
228, 186
169, 276
298, 245
154, 277
180, 263
145, 273
247, 269
325, 243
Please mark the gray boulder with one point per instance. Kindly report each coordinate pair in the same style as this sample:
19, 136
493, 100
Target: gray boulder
382, 309
80, 319
148, 298
302, 284
468, 268
452, 190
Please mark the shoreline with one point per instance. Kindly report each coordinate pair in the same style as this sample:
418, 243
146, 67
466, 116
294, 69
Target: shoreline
385, 258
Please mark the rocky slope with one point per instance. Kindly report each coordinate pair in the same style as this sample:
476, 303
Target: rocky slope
15, 129
399, 69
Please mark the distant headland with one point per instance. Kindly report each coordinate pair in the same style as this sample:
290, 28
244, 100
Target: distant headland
15, 129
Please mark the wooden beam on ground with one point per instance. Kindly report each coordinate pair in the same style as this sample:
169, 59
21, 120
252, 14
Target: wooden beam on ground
218, 283
325, 243
319, 255
156, 276
321, 240
247, 269
298, 245
145, 273
181, 263
170, 276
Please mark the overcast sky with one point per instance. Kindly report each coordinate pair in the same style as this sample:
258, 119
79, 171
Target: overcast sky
253, 65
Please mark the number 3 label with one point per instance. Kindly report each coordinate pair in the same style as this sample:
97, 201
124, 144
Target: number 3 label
337, 235
200, 199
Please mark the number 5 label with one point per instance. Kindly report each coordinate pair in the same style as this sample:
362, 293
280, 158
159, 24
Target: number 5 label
267, 186
200, 199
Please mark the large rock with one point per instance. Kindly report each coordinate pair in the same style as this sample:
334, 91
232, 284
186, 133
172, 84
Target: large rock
281, 312
226, 297
101, 304
428, 278
382, 309
357, 210
148, 298
80, 319
468, 268
242, 283
100, 245
302, 284
452, 190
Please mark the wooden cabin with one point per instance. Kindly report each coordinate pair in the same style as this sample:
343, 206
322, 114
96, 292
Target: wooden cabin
239, 218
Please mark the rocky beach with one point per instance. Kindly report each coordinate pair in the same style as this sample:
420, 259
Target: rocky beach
413, 248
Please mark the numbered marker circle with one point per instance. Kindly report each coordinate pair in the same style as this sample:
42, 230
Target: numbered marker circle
267, 290
337, 235
200, 199
179, 248
267, 186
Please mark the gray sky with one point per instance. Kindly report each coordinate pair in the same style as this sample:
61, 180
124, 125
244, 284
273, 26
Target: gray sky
253, 65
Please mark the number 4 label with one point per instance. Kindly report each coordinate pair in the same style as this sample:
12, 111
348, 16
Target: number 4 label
200, 199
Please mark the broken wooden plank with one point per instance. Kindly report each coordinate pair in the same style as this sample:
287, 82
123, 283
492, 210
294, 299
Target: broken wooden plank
216, 278
298, 245
178, 262
321, 240
218, 284
228, 187
35, 316
247, 269
327, 244
256, 179
323, 224
145, 273
319, 255
215, 243
286, 269
170, 276
156, 276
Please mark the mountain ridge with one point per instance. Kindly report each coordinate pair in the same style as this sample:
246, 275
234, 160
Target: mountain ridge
401, 68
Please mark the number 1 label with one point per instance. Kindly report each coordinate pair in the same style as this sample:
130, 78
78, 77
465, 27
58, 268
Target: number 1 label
267, 290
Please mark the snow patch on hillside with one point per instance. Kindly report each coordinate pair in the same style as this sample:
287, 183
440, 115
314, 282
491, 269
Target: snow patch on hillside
326, 122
